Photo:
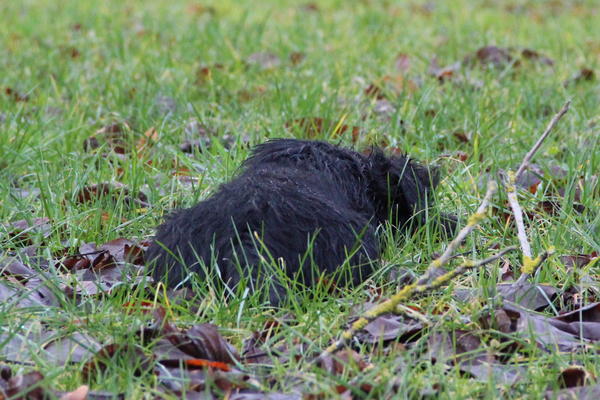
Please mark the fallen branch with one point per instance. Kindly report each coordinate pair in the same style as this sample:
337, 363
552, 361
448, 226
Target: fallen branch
529, 264
427, 282
510, 183
538, 144
473, 221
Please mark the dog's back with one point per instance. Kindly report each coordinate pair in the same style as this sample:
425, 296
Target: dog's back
292, 196
287, 199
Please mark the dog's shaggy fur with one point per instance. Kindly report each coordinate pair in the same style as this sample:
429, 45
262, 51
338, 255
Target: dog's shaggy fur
292, 196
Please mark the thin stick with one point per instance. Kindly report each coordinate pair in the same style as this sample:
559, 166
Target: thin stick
529, 264
538, 144
425, 283
511, 193
473, 221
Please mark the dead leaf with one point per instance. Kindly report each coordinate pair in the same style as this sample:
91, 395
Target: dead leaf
402, 63
296, 57
500, 374
576, 393
573, 376
28, 386
578, 261
149, 139
552, 333
198, 137
533, 297
490, 56
70, 348
203, 341
200, 9
11, 266
462, 136
443, 74
455, 347
204, 74
15, 95
310, 7
533, 55
81, 393
264, 60
391, 327
126, 250
23, 231
583, 75
113, 135
245, 95
337, 363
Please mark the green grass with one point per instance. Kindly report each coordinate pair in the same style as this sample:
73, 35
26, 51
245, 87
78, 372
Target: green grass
84, 65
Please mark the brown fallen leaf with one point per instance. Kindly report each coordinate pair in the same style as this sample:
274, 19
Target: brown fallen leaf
264, 60
573, 376
339, 362
23, 231
198, 137
456, 347
149, 139
530, 54
15, 95
500, 374
562, 333
583, 75
201, 341
61, 349
402, 63
113, 135
126, 250
296, 57
28, 386
443, 74
389, 327
204, 74
13, 267
462, 136
81, 393
577, 261
490, 56
576, 393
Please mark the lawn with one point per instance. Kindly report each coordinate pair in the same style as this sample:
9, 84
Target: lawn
113, 113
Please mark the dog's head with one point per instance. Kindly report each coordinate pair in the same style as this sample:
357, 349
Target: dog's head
401, 188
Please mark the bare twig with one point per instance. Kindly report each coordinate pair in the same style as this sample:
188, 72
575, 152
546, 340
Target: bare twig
529, 264
427, 281
511, 193
538, 144
473, 221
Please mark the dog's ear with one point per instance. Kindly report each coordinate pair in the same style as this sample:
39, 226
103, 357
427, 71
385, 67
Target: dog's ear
401, 187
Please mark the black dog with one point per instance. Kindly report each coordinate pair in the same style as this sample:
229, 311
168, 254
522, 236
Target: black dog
292, 196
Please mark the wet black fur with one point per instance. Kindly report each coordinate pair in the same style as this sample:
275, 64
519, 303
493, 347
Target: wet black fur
289, 193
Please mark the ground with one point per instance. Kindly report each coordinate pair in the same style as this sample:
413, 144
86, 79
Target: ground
112, 113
